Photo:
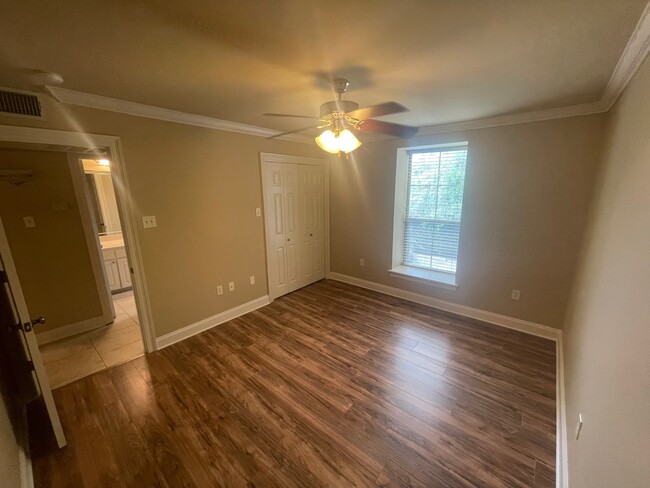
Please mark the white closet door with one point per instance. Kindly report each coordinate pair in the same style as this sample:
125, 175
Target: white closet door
282, 221
311, 224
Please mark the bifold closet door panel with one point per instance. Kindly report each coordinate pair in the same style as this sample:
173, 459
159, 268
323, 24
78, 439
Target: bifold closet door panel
292, 227
282, 220
311, 224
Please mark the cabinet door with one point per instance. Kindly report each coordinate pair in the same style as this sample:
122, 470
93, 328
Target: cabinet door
125, 272
312, 259
113, 274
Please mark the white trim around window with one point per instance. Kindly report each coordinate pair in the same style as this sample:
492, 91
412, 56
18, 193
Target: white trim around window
424, 276
399, 269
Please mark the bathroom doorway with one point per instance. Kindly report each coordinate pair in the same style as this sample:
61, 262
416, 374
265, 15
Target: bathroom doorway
120, 339
61, 206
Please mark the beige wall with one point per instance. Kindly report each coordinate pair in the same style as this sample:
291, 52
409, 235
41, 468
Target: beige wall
527, 192
52, 258
203, 186
607, 338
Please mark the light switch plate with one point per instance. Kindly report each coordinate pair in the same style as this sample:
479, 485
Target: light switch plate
252, 280
362, 262
515, 294
231, 286
258, 212
29, 222
219, 290
149, 221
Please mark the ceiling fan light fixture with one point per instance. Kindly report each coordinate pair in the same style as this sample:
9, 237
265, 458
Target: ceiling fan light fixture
337, 142
347, 141
345, 119
327, 142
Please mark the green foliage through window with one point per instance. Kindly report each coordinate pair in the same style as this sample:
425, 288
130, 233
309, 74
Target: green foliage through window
436, 181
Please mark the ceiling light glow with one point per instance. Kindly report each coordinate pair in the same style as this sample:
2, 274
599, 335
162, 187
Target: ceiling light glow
335, 142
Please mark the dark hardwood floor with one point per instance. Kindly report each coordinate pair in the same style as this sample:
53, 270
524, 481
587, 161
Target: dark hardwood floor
332, 385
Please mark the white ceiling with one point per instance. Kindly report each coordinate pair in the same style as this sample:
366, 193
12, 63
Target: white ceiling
447, 61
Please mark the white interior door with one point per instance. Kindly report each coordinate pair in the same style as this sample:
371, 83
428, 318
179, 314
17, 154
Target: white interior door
312, 262
25, 335
282, 219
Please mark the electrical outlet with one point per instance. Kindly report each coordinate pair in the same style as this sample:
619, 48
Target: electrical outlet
149, 221
579, 426
362, 262
219, 290
252, 280
29, 222
515, 294
258, 212
231, 286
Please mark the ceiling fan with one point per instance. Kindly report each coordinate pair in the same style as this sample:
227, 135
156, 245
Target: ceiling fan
343, 118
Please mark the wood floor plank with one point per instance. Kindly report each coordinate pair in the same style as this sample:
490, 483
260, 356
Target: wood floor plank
332, 385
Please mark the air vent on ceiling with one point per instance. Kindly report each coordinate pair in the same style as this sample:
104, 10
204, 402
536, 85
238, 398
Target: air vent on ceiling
19, 103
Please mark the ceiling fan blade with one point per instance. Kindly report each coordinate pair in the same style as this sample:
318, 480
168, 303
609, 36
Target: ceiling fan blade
377, 110
387, 128
294, 131
289, 115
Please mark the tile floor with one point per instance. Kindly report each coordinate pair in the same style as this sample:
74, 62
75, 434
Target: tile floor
73, 358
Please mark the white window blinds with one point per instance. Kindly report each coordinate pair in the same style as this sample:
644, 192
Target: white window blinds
436, 179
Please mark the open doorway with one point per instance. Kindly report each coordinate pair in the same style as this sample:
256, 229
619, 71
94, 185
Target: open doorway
61, 217
120, 339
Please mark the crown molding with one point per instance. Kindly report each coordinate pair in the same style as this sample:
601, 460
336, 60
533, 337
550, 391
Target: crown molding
518, 118
634, 54
99, 102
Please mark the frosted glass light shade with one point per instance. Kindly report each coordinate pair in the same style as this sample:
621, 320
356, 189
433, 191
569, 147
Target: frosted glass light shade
328, 141
335, 142
348, 142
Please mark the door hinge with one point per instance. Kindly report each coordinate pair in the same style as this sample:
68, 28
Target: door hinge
27, 326
17, 326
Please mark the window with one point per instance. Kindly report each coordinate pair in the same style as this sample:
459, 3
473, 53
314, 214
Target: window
428, 215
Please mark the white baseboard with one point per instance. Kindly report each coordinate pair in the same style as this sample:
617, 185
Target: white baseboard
561, 449
71, 330
474, 313
205, 324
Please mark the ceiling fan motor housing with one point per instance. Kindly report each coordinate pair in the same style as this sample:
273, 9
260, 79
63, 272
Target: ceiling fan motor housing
338, 106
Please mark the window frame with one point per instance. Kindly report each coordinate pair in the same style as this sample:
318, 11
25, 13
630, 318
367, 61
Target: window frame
398, 269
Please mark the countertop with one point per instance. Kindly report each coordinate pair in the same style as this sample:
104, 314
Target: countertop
112, 244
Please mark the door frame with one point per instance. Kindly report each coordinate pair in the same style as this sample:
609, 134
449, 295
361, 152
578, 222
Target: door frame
91, 233
125, 205
265, 159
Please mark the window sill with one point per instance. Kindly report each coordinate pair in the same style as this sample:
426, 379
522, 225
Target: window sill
425, 276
